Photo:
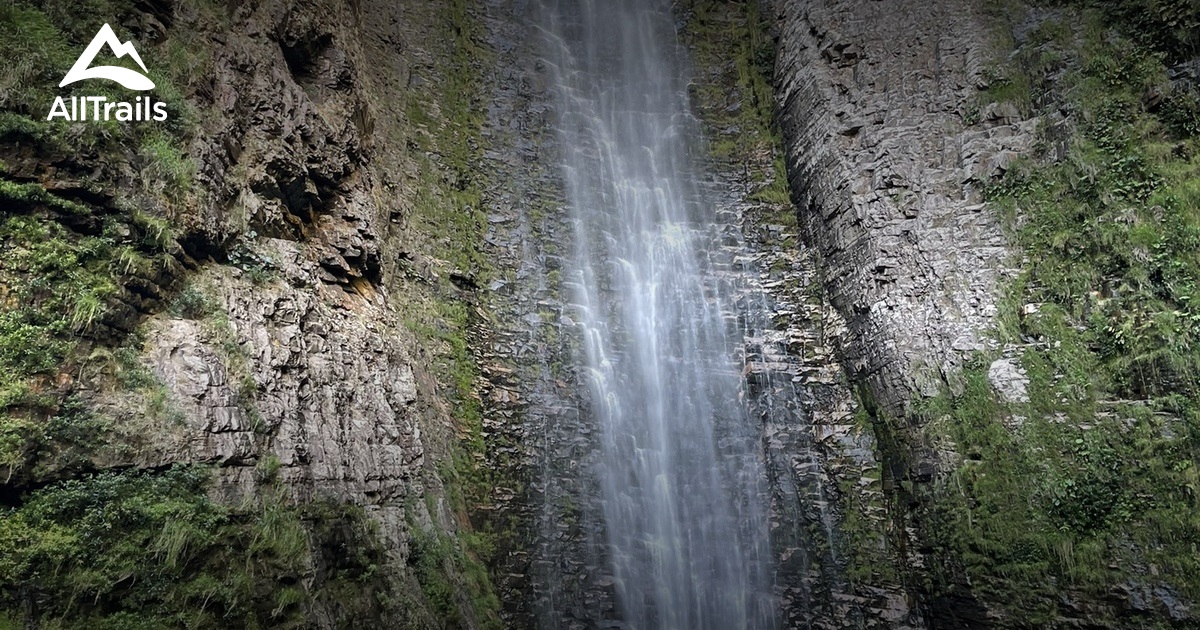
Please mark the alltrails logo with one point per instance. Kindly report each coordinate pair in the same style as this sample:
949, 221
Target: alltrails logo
99, 107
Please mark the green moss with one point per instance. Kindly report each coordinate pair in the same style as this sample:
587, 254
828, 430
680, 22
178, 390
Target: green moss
731, 44
60, 284
737, 104
449, 223
449, 213
863, 540
194, 303
130, 549
777, 193
1113, 227
470, 477
1054, 504
62, 289
1092, 482
430, 555
467, 482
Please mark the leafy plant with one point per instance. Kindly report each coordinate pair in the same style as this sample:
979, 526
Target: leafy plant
1095, 475
110, 547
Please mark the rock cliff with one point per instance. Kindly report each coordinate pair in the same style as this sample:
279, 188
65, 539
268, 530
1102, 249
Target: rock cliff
873, 102
887, 176
286, 334
914, 134
300, 356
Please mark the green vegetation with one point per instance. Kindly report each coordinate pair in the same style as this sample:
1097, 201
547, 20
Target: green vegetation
43, 41
1168, 27
151, 550
60, 286
434, 556
1093, 482
15, 195
352, 580
450, 224
122, 549
166, 169
35, 446
39, 56
737, 103
860, 540
468, 481
450, 213
456, 369
112, 549
730, 42
1113, 226
67, 263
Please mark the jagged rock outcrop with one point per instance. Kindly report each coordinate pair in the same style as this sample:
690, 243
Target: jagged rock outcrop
326, 382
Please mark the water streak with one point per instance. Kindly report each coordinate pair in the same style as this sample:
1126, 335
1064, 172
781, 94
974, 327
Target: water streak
680, 467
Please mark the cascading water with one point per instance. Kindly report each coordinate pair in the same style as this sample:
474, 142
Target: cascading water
679, 470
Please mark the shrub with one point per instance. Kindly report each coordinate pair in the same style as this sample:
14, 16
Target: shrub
101, 550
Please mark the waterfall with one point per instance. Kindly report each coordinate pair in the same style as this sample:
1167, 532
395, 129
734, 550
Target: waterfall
680, 468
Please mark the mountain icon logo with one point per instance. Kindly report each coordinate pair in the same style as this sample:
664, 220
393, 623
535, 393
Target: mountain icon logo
131, 79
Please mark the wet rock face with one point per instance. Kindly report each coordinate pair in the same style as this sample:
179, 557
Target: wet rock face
552, 567
551, 571
874, 100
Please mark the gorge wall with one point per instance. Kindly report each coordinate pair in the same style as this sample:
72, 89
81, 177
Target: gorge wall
255, 362
873, 100
301, 356
957, 167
